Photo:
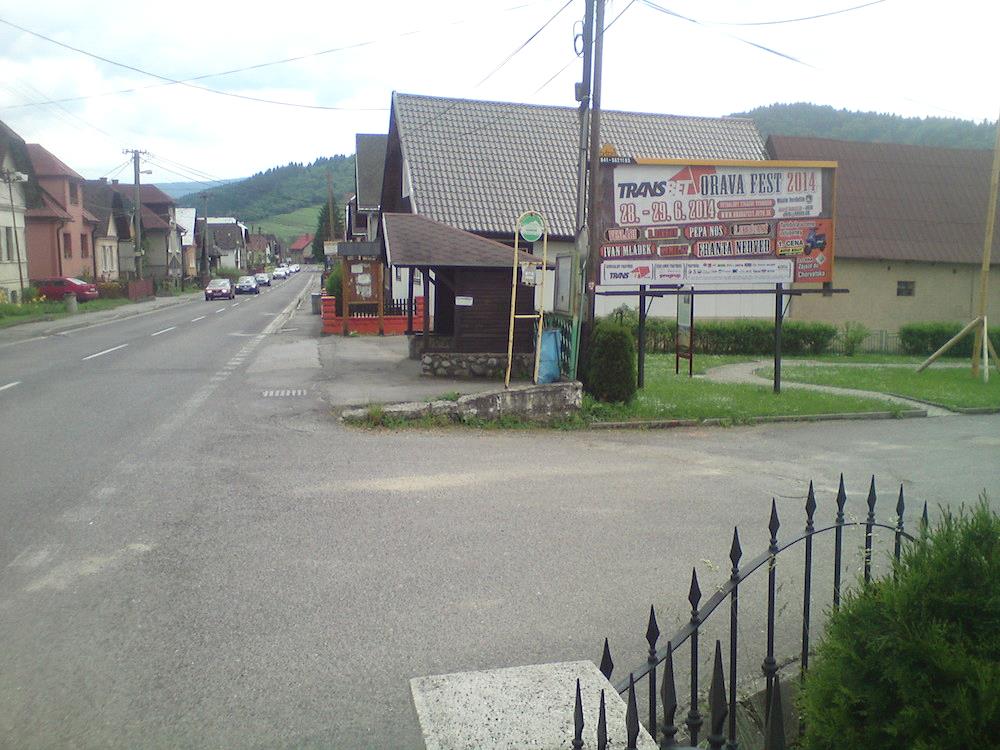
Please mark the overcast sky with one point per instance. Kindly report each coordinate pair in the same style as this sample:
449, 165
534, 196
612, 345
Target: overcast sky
910, 57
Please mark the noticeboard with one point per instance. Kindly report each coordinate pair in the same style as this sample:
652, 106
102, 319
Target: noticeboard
718, 222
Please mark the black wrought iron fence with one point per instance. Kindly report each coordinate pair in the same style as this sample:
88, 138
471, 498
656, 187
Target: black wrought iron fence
722, 702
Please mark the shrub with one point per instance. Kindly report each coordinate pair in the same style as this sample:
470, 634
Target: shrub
30, 294
923, 339
334, 286
913, 660
852, 337
611, 371
112, 289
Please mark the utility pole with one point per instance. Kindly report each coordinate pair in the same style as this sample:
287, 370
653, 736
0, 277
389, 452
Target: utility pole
10, 178
329, 208
137, 237
204, 243
594, 198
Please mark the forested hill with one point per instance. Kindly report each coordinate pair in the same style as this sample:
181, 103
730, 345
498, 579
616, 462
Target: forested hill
279, 190
815, 121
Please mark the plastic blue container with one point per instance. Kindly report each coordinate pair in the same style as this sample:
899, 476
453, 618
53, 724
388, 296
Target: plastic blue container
548, 366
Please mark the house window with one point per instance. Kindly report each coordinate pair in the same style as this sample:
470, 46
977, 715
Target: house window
417, 278
84, 246
74, 194
905, 288
399, 274
67, 245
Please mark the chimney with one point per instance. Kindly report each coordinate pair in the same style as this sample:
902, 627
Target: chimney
104, 180
114, 182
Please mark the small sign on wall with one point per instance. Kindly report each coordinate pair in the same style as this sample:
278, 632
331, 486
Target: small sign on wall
463, 301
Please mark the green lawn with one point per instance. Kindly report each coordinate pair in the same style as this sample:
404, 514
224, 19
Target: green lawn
669, 396
14, 314
950, 387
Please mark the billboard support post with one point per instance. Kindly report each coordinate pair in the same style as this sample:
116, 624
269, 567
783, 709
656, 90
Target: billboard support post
779, 314
641, 373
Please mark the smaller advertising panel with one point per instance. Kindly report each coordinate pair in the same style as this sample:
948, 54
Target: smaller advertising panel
626, 273
810, 243
764, 271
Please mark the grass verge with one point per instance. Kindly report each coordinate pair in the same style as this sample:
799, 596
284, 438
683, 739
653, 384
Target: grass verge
16, 314
952, 387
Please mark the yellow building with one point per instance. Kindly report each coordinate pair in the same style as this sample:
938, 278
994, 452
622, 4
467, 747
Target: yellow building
910, 223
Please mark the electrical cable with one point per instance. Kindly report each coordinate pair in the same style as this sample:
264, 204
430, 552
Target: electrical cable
166, 81
795, 20
524, 44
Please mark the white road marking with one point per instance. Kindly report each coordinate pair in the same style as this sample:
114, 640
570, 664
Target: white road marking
163, 331
23, 341
64, 333
9, 385
236, 304
221, 309
106, 351
200, 317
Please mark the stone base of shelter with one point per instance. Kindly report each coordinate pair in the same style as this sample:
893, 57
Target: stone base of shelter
487, 366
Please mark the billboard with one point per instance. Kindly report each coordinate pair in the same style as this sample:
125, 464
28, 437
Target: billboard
728, 222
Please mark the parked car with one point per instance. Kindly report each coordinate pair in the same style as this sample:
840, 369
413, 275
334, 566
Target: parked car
56, 287
219, 289
280, 272
263, 279
247, 285
295, 268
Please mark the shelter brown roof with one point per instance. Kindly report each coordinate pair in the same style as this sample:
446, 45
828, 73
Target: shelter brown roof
301, 242
415, 241
901, 202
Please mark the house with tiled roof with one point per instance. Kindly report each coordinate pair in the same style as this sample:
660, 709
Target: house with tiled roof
909, 232
18, 191
113, 249
477, 165
300, 245
161, 238
59, 231
225, 241
363, 207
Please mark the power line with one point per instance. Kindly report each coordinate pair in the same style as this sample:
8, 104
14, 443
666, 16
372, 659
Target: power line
796, 20
525, 43
166, 81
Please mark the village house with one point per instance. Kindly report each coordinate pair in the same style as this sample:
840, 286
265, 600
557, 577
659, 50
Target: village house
161, 239
297, 249
59, 232
17, 185
910, 223
477, 165
113, 249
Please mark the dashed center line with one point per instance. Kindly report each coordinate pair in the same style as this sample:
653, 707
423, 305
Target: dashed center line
200, 317
163, 331
106, 351
9, 385
221, 309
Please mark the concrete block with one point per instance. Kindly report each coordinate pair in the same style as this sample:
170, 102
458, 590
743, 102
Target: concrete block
517, 708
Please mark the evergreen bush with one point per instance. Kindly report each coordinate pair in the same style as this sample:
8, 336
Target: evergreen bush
913, 660
612, 368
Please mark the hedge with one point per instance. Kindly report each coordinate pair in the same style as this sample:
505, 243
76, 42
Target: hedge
913, 660
923, 339
611, 375
750, 336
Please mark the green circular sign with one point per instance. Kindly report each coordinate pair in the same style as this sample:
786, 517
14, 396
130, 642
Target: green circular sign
532, 226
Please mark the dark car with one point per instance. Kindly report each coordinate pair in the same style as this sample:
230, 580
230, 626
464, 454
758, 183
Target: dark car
219, 289
264, 279
247, 285
57, 287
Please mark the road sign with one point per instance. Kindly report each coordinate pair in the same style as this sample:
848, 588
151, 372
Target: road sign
532, 227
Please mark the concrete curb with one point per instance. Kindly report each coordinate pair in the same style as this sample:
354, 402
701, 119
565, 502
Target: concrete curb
660, 424
955, 409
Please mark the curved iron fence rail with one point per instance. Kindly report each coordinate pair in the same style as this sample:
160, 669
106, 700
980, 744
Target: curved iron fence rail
722, 705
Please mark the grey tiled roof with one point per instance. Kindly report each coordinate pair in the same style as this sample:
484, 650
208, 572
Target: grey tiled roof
477, 165
369, 163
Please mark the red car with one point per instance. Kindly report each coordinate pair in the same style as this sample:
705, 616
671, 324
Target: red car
58, 287
219, 289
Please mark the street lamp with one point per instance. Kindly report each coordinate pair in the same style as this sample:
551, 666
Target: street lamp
10, 178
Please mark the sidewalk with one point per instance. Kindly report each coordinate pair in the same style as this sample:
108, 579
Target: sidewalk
37, 328
744, 372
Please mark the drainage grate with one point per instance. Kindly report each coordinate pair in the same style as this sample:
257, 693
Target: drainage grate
284, 393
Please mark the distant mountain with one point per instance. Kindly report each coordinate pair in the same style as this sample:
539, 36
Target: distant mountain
279, 191
815, 121
179, 189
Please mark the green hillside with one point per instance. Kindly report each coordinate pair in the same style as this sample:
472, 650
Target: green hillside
814, 121
290, 225
279, 191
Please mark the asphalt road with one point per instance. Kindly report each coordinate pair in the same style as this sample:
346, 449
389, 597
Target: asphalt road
195, 555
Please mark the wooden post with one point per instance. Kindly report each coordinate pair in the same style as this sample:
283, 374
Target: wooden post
949, 343
345, 304
984, 274
426, 333
381, 299
409, 302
